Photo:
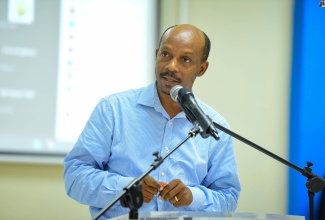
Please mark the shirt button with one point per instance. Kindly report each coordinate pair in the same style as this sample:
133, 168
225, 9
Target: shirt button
166, 149
170, 123
162, 174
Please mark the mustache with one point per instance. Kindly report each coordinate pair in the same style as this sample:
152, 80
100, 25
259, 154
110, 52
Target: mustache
171, 75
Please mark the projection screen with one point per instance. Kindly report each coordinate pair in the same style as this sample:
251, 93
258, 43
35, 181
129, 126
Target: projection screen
59, 58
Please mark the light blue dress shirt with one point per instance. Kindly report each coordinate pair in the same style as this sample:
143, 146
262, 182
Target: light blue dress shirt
116, 146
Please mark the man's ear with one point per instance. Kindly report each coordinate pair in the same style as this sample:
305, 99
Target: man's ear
156, 52
204, 67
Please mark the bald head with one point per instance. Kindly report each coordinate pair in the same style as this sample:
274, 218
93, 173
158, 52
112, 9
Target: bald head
187, 31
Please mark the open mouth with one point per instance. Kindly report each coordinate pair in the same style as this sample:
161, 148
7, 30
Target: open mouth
169, 79
170, 82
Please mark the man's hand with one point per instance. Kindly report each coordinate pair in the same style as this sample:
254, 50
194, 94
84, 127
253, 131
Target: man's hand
150, 187
177, 193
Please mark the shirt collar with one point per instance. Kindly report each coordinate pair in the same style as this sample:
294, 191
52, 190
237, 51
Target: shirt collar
149, 97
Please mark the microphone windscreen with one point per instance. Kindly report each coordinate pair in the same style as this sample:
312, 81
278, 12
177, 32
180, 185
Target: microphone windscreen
174, 92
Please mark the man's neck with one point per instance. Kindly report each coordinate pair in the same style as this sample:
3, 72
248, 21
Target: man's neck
171, 107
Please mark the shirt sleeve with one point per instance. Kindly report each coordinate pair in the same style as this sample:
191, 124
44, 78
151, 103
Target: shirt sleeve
220, 189
85, 166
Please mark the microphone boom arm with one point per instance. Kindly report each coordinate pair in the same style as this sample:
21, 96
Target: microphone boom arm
314, 183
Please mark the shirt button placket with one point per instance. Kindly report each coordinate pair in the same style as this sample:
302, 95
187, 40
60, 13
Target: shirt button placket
164, 150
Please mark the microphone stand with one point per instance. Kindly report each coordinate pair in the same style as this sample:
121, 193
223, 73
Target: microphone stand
131, 196
314, 183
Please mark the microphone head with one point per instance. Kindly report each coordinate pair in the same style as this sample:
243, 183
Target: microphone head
174, 92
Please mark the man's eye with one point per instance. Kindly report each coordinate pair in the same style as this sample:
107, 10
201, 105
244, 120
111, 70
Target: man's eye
186, 60
164, 54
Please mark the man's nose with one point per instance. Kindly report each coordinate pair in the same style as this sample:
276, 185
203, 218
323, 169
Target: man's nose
172, 66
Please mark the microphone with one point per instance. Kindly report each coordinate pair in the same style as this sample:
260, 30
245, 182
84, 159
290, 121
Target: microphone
193, 112
189, 115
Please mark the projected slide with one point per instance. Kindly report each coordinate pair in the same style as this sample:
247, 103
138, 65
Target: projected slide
59, 58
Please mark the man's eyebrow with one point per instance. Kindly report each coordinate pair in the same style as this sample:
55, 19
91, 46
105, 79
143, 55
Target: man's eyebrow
190, 53
165, 47
185, 53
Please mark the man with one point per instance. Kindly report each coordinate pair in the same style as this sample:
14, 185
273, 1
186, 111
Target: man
124, 130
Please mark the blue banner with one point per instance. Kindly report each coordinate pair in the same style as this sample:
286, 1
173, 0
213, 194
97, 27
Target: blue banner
307, 107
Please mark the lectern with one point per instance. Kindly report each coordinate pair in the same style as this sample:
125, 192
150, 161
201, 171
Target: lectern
209, 216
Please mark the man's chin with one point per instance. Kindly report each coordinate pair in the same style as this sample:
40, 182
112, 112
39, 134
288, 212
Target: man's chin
163, 89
